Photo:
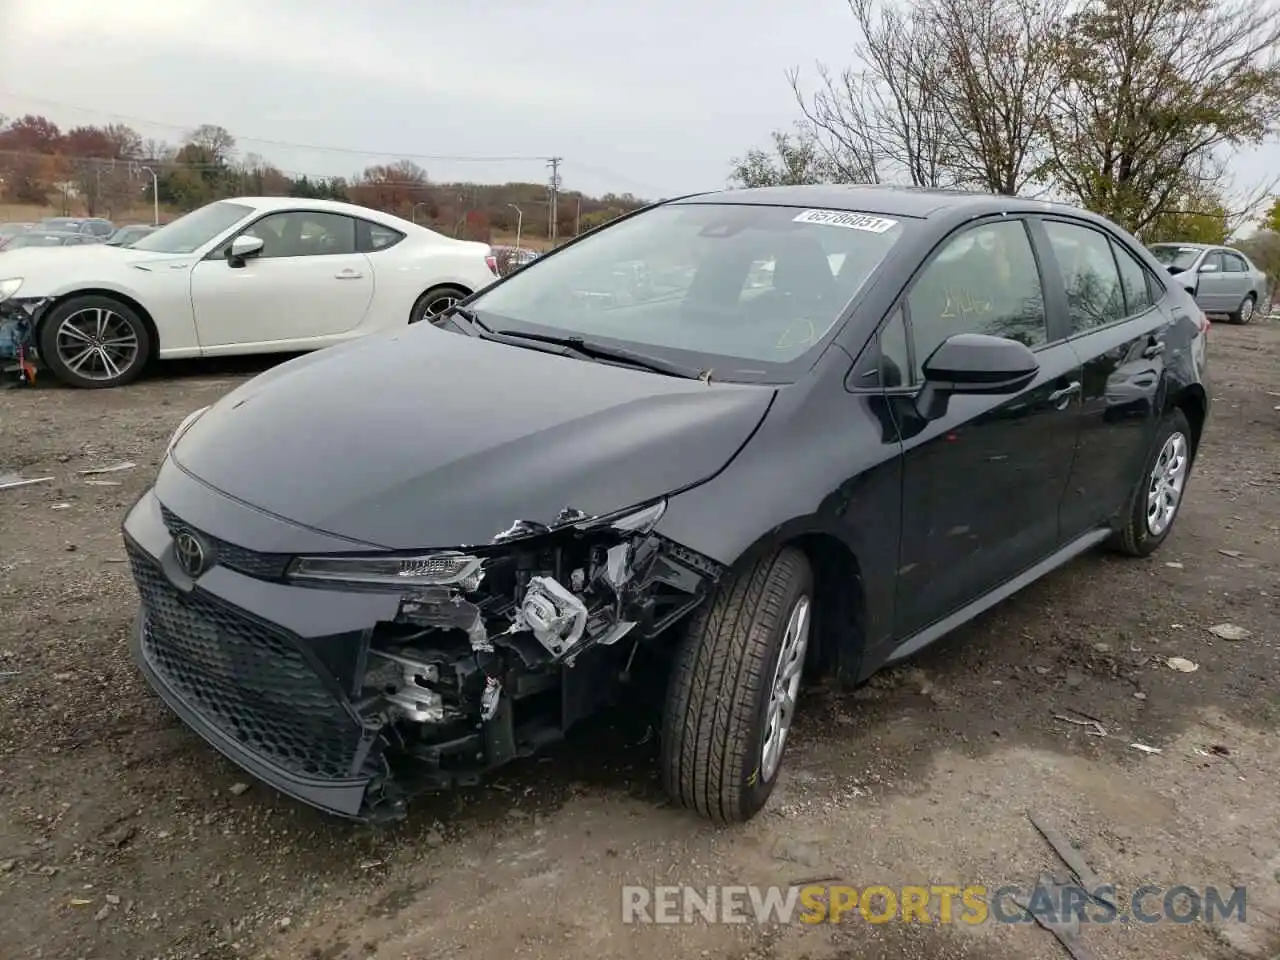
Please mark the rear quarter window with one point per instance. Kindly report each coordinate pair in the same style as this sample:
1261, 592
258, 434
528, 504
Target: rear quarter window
372, 237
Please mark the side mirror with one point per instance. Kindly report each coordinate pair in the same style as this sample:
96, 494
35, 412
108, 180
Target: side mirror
1208, 268
242, 248
974, 363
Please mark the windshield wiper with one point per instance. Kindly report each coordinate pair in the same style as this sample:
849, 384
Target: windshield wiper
600, 351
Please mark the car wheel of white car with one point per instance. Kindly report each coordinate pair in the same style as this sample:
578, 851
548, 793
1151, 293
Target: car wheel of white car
436, 301
94, 342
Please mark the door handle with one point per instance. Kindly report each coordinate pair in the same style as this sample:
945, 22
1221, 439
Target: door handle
1153, 349
348, 275
1065, 393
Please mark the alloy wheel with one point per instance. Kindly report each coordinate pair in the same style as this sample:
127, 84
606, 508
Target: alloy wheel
97, 343
785, 688
1246, 310
1168, 477
440, 304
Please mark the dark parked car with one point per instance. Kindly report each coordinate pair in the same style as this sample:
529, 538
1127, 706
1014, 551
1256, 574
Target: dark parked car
929, 401
40, 237
93, 226
128, 236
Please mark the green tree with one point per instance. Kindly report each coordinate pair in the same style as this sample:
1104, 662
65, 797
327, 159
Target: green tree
1271, 221
795, 160
1196, 216
1150, 90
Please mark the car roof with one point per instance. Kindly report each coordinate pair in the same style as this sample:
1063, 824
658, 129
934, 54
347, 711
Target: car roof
268, 204
887, 199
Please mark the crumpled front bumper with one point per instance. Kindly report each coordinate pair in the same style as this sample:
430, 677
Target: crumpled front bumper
256, 668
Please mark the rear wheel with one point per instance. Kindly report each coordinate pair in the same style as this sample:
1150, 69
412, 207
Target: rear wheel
1159, 498
1247, 309
732, 693
435, 301
94, 342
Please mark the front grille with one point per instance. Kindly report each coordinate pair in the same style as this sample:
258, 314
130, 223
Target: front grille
264, 566
250, 681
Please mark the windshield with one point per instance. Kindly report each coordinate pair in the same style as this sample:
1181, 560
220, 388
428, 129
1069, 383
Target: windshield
745, 290
1174, 257
189, 233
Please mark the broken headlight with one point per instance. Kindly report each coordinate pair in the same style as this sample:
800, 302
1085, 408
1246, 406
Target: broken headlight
441, 569
9, 287
454, 568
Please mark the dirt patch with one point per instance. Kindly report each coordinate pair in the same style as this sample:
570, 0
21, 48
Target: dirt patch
121, 835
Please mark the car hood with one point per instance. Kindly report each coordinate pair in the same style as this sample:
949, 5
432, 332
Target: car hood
45, 267
434, 439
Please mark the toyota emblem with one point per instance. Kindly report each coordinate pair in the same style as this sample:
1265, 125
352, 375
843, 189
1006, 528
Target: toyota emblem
190, 553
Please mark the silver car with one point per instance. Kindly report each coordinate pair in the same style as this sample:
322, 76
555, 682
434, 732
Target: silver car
1223, 280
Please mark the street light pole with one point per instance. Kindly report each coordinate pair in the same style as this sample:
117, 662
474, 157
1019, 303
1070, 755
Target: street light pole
155, 197
519, 223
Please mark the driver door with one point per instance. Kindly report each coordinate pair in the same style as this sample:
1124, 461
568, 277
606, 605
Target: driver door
306, 288
982, 485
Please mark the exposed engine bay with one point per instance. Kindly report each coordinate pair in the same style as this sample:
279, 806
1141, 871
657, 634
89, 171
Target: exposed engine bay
513, 643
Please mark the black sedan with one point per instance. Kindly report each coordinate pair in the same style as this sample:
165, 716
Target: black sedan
730, 441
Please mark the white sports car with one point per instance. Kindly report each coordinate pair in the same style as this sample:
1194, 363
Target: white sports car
250, 275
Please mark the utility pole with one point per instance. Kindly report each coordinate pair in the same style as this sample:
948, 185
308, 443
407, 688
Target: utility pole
554, 164
519, 223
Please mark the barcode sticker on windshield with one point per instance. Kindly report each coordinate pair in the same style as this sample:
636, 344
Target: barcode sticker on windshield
850, 221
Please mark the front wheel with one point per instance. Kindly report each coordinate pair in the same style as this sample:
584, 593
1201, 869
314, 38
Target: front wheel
732, 693
435, 301
1158, 500
94, 342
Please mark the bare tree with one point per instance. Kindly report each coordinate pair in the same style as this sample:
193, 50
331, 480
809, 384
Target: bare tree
1150, 90
214, 141
996, 87
887, 120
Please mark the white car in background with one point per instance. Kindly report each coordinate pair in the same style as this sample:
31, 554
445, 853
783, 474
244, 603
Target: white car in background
242, 276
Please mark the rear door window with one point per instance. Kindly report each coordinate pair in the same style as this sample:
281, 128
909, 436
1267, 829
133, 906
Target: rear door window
1095, 297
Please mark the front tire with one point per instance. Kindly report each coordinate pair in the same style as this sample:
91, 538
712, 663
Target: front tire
732, 692
1159, 498
435, 301
94, 342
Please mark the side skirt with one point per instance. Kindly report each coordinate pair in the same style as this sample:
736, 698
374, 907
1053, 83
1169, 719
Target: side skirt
921, 639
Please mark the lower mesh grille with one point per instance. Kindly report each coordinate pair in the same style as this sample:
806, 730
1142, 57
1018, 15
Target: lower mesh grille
250, 681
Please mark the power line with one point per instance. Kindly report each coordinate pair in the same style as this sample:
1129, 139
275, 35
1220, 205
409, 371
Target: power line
166, 166
291, 145
605, 174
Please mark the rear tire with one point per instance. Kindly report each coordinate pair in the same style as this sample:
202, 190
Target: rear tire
725, 723
94, 342
434, 301
1158, 499
1248, 308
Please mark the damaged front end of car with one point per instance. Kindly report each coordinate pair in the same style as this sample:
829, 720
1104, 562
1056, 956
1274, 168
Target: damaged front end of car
18, 321
480, 654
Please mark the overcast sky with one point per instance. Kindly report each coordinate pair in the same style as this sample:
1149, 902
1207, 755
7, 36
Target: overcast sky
653, 98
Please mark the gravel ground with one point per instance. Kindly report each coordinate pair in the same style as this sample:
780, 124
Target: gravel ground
123, 836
